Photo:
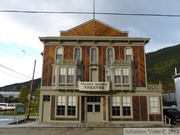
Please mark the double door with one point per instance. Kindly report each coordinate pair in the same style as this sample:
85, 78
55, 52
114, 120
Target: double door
94, 109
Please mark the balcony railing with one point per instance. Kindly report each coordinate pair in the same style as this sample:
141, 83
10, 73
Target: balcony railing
119, 62
69, 61
154, 86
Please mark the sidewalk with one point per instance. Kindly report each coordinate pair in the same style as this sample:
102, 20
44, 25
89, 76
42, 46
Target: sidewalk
86, 125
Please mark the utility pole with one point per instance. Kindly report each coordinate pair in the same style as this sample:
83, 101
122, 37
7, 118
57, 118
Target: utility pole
31, 87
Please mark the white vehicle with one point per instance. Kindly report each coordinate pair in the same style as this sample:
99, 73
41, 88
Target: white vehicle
6, 106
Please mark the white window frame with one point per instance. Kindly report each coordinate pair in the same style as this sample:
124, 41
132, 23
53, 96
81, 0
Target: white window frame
117, 73
70, 73
63, 73
128, 52
91, 55
121, 104
61, 101
57, 53
107, 54
66, 106
125, 73
154, 103
80, 53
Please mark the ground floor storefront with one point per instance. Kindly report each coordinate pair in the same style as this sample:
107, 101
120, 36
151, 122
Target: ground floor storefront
97, 107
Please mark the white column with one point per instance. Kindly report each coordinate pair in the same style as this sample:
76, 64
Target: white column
107, 111
80, 106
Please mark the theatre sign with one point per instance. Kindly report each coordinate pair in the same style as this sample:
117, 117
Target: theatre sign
94, 86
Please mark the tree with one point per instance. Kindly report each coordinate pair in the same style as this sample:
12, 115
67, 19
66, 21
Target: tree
37, 96
24, 95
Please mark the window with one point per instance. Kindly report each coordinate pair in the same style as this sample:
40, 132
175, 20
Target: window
71, 105
121, 106
110, 54
128, 54
115, 106
66, 106
126, 106
79, 74
94, 55
77, 53
59, 54
61, 102
62, 75
70, 76
109, 75
117, 75
125, 75
54, 75
154, 104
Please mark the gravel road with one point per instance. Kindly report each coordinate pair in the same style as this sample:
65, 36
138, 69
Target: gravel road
60, 131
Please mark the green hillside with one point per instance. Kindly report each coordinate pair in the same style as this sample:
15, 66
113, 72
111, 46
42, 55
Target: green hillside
161, 66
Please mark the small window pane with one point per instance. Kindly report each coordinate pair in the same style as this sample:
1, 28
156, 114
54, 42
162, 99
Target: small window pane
97, 108
89, 108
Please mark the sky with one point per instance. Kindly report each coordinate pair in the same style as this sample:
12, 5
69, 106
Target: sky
19, 32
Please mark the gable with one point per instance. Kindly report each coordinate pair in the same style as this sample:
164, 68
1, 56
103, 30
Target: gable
94, 28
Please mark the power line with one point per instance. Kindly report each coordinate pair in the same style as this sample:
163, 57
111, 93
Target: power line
12, 54
13, 71
12, 75
99, 13
23, 51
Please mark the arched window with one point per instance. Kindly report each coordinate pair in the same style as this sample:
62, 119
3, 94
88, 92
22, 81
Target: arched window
110, 54
59, 54
94, 55
128, 54
77, 53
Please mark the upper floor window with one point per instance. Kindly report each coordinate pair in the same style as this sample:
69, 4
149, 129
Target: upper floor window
77, 53
128, 54
94, 55
121, 75
110, 54
125, 75
59, 54
79, 74
109, 75
62, 75
70, 76
117, 75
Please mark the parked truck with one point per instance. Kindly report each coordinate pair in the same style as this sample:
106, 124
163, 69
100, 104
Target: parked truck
6, 106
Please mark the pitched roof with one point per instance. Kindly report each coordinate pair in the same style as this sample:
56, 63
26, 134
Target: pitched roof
94, 28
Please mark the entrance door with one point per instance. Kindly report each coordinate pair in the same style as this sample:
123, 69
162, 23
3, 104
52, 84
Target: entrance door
46, 111
94, 109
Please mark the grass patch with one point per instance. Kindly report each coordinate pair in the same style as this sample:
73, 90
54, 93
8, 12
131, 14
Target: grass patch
11, 112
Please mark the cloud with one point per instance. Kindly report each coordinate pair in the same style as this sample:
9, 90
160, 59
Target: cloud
21, 31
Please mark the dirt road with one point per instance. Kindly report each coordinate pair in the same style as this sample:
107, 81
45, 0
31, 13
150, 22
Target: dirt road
60, 131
